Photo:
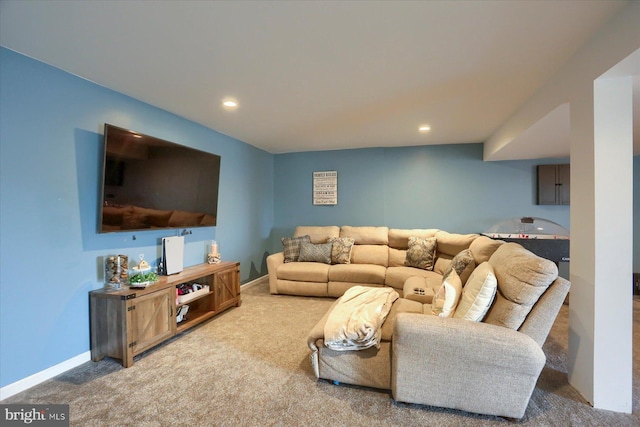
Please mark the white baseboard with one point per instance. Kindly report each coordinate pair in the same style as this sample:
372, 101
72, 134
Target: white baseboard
255, 282
42, 376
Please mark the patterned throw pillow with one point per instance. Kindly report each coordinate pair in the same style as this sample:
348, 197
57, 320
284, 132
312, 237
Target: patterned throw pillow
463, 264
291, 247
421, 252
320, 252
341, 249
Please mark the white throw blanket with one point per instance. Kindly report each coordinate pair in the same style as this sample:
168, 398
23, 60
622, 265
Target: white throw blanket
355, 323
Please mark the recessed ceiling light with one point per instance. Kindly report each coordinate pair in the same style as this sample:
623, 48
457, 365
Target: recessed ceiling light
424, 128
230, 104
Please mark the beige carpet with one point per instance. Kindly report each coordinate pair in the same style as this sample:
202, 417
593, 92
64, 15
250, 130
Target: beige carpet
249, 367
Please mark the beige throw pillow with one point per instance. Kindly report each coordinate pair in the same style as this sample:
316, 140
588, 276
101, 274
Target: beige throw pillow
477, 294
448, 295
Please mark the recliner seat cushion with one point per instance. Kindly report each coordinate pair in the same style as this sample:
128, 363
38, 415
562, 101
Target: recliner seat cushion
304, 271
396, 276
357, 273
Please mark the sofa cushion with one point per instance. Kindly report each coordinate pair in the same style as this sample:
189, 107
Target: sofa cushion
442, 263
446, 300
522, 278
421, 252
317, 234
337, 289
358, 273
397, 257
303, 288
483, 247
341, 249
397, 276
463, 264
399, 238
401, 305
315, 252
451, 243
304, 271
477, 294
366, 235
370, 254
291, 247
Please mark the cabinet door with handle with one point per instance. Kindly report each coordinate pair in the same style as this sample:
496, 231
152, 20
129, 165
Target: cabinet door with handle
227, 288
564, 181
554, 184
151, 319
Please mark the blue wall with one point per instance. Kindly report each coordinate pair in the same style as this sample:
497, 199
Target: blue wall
50, 253
50, 152
448, 187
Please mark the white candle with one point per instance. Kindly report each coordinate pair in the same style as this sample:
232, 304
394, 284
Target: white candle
214, 248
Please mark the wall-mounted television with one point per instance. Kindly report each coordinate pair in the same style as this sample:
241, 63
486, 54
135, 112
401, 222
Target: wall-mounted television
149, 183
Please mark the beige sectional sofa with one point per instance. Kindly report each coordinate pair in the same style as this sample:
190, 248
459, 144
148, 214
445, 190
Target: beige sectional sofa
377, 259
485, 357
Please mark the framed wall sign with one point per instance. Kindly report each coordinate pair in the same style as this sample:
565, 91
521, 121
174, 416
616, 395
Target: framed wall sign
325, 188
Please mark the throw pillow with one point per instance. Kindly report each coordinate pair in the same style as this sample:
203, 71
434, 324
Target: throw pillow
447, 297
341, 249
477, 294
291, 247
463, 264
320, 252
421, 252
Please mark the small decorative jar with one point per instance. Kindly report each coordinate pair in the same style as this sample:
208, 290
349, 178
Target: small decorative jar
116, 271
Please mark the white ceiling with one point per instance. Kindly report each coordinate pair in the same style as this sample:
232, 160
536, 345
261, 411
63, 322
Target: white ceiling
319, 75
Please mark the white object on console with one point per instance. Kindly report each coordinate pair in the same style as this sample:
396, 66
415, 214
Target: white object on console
173, 254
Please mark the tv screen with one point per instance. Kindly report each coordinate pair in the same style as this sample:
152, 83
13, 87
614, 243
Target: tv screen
149, 183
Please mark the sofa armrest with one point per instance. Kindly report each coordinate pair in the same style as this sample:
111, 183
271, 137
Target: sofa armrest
273, 262
464, 365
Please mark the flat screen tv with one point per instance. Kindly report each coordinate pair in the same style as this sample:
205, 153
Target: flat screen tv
149, 183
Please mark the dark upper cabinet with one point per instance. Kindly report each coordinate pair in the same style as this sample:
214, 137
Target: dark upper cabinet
554, 184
